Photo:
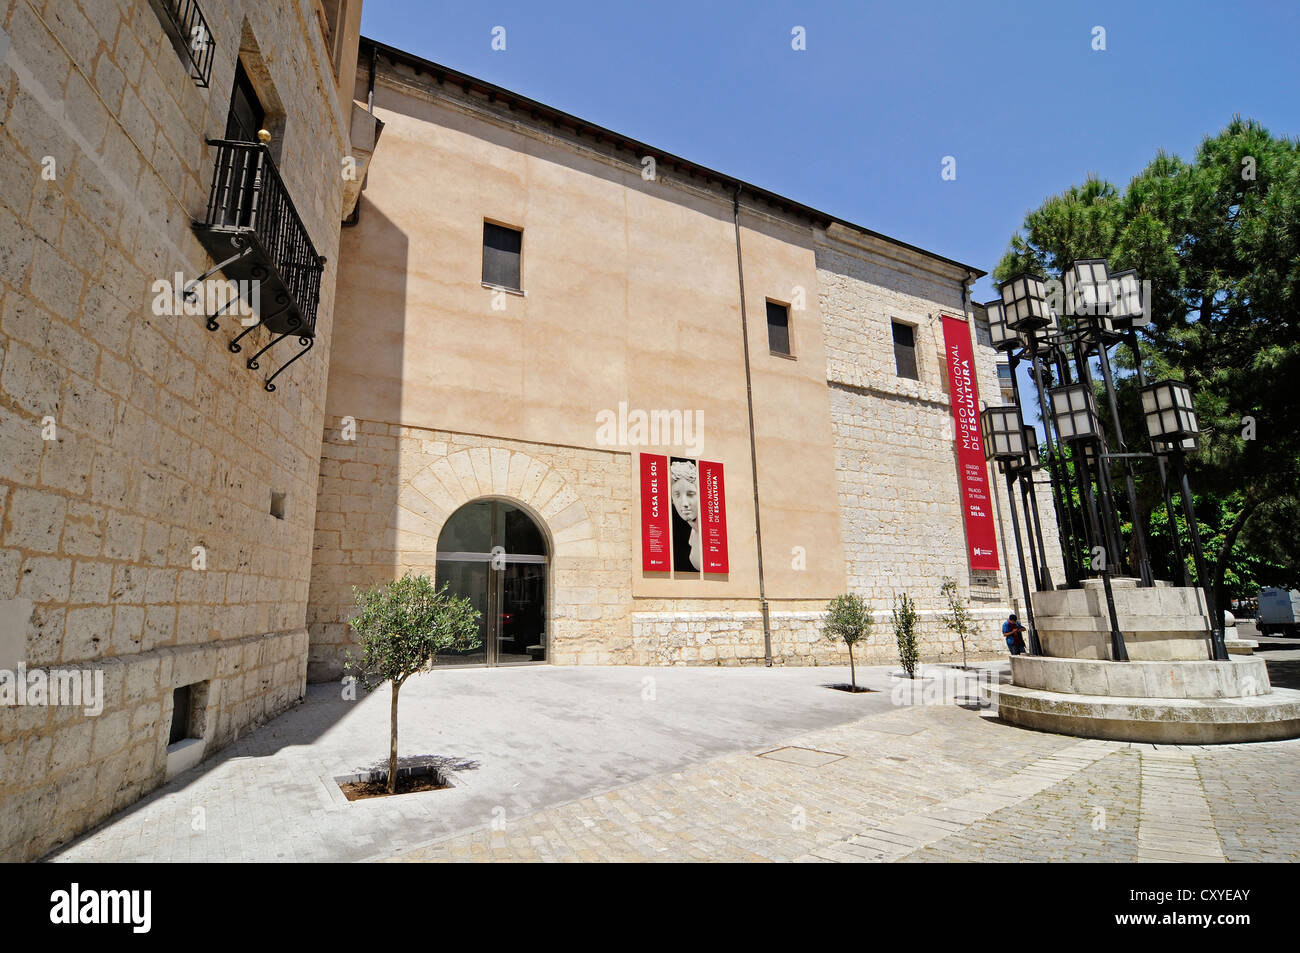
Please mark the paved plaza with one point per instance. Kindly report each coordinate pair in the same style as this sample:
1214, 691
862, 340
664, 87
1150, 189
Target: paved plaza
723, 764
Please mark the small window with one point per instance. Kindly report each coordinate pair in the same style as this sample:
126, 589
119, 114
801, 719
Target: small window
180, 715
1005, 384
778, 328
277, 505
501, 255
905, 350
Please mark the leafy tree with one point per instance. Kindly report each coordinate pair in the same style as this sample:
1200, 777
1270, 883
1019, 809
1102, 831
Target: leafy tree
904, 615
402, 626
958, 618
1219, 239
848, 620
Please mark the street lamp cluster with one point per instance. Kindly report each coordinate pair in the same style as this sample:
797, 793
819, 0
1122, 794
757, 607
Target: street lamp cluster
1100, 310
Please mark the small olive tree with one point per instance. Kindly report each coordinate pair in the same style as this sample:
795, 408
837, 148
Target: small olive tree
402, 626
958, 617
904, 613
848, 620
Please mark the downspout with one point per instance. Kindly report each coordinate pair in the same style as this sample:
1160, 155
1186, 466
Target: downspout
370, 91
753, 447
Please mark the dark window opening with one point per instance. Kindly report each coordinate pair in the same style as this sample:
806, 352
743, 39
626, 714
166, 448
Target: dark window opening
245, 118
502, 249
778, 328
905, 351
277, 505
246, 114
180, 715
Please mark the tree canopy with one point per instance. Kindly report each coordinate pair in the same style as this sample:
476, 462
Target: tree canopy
1219, 239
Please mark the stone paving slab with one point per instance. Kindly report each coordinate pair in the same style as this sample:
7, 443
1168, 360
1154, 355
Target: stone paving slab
576, 765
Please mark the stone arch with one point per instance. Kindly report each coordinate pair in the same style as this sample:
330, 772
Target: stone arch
427, 499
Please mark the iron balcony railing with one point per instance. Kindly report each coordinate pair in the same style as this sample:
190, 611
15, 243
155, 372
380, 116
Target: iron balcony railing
253, 230
184, 23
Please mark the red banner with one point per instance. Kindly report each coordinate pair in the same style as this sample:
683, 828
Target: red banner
654, 512
972, 472
713, 516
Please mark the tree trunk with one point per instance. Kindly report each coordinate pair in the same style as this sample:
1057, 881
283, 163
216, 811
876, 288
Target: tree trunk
963, 653
853, 672
392, 747
1225, 555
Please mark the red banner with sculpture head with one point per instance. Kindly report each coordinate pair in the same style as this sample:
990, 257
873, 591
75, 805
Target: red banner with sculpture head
972, 471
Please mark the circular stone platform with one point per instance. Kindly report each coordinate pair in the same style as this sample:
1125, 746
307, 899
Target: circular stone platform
1173, 702
1206, 679
1187, 721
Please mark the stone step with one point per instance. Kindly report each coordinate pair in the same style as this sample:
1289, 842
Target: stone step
1271, 717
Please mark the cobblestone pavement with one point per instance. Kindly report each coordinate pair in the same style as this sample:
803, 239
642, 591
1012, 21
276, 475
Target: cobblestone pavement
927, 784
786, 771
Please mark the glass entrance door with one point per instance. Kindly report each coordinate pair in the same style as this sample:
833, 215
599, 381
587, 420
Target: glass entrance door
493, 554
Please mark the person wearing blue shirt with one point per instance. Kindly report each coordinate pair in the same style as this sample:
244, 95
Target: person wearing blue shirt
1011, 630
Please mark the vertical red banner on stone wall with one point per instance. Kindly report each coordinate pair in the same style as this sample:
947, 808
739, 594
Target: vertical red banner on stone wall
654, 513
713, 516
972, 471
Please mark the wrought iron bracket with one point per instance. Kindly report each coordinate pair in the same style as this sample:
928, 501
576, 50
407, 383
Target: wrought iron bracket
307, 344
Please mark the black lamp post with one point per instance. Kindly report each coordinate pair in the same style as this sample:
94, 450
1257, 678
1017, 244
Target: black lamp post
1091, 297
1004, 441
1075, 412
1024, 318
1042, 576
1174, 429
1129, 313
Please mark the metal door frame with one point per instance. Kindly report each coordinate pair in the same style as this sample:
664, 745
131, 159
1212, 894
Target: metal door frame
496, 582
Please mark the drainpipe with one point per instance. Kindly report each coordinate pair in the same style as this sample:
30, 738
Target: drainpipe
370, 91
753, 448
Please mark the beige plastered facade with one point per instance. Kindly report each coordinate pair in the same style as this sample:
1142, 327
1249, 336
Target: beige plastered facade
443, 391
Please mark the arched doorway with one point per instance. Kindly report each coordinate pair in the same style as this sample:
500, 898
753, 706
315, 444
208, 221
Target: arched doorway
493, 553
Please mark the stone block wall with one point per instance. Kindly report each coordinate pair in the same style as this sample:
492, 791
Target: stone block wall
900, 500
387, 490
140, 454
714, 637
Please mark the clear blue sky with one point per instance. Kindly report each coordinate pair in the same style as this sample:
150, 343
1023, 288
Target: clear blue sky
859, 122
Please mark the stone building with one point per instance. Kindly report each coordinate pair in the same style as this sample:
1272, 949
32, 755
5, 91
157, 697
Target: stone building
158, 499
186, 503
516, 280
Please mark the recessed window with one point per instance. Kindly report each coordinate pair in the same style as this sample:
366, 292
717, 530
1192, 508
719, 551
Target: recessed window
905, 350
1004, 379
502, 248
180, 715
778, 328
277, 505
336, 18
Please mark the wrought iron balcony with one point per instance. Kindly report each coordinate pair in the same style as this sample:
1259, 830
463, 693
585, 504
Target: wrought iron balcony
184, 23
257, 239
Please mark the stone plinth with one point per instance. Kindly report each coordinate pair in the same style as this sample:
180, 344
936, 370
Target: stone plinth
1160, 623
1199, 721
1170, 692
1242, 678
